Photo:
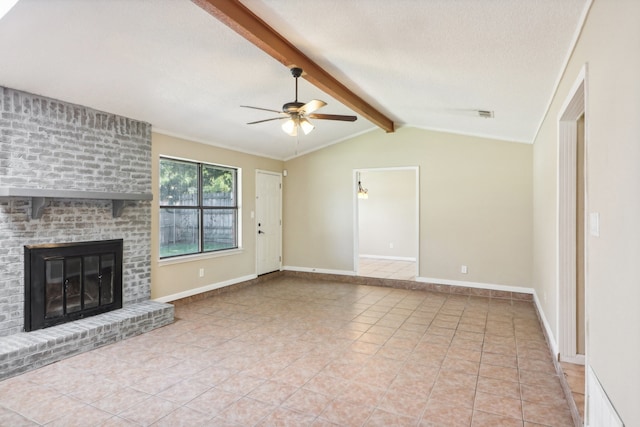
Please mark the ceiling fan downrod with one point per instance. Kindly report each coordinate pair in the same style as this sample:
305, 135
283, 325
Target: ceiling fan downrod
292, 107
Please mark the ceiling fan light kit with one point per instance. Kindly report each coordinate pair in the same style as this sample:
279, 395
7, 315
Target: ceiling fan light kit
306, 125
290, 127
298, 113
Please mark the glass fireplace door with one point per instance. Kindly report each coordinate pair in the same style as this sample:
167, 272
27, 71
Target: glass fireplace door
74, 284
69, 281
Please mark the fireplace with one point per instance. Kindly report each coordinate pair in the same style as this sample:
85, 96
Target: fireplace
70, 281
75, 174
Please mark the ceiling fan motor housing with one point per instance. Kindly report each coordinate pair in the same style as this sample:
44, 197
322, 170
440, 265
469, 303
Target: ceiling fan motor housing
292, 107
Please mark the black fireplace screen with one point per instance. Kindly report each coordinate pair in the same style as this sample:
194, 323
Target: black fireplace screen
69, 281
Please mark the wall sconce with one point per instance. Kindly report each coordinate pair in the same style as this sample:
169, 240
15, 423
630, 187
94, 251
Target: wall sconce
363, 193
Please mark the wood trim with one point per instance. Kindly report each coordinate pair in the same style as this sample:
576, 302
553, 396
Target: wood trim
240, 19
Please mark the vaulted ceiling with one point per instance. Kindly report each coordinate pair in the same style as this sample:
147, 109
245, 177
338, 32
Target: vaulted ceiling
431, 64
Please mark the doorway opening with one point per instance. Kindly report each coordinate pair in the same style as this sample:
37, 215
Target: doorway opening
572, 244
571, 225
386, 223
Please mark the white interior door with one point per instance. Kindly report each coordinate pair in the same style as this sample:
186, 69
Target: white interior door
268, 221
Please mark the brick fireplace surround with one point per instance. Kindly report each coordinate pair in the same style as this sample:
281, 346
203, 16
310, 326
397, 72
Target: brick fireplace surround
69, 173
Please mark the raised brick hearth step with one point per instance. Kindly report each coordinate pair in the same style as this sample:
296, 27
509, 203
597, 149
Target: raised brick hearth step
30, 350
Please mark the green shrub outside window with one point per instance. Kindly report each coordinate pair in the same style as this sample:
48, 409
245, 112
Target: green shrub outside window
198, 207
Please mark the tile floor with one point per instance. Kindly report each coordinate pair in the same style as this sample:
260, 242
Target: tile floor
574, 374
387, 269
296, 352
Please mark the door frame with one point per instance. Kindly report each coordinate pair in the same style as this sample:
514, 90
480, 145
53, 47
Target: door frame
572, 109
255, 222
356, 213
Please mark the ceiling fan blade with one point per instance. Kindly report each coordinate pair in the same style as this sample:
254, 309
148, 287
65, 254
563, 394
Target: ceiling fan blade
311, 106
263, 109
333, 117
267, 120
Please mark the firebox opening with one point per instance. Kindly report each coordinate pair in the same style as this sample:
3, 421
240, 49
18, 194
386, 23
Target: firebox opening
70, 281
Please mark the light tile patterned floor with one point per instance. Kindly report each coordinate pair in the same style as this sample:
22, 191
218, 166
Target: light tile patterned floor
576, 380
295, 352
387, 269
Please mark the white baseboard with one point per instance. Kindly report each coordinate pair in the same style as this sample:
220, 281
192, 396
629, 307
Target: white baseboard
547, 327
390, 258
202, 289
318, 270
479, 285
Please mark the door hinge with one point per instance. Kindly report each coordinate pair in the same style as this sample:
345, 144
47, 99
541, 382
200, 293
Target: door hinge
280, 186
280, 259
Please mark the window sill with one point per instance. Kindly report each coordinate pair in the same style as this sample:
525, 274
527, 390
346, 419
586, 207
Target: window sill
198, 257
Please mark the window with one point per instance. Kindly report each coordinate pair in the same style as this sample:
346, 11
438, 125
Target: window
198, 208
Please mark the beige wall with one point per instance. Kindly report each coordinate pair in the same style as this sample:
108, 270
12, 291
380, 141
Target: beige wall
610, 44
475, 204
388, 216
176, 278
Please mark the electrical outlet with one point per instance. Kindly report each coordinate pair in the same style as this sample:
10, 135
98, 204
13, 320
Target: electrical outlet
390, 245
463, 269
201, 272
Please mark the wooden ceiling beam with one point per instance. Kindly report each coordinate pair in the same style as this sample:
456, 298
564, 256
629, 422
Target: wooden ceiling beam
239, 18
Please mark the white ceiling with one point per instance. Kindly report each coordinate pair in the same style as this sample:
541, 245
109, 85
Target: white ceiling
424, 63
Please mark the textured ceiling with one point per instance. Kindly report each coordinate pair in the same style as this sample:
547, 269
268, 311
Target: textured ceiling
426, 63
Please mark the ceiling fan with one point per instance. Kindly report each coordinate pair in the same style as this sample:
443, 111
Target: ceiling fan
297, 114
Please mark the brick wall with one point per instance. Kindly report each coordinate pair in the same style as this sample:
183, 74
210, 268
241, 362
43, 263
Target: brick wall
45, 143
50, 144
